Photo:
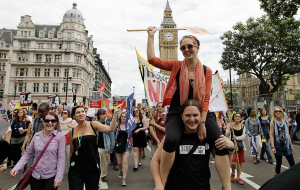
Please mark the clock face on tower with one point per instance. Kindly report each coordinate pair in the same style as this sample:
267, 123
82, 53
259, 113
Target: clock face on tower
169, 36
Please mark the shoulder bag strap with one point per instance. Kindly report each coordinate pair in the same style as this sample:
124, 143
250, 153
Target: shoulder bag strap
40, 156
93, 128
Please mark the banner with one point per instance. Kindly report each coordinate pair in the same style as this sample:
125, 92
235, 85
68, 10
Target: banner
25, 98
102, 87
217, 101
116, 103
105, 105
130, 123
3, 111
155, 83
95, 103
195, 30
53, 101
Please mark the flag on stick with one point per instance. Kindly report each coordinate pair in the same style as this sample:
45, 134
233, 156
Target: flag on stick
130, 123
102, 87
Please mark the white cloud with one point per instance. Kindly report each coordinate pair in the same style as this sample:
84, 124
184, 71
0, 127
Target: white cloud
108, 22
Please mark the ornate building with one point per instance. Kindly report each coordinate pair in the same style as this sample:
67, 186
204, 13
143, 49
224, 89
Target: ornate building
101, 76
44, 55
168, 39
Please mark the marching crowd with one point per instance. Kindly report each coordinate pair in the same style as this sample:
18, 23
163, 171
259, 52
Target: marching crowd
181, 140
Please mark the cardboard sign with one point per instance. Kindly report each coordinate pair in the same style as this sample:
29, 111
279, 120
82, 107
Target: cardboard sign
95, 103
217, 101
3, 111
25, 98
53, 101
12, 104
96, 95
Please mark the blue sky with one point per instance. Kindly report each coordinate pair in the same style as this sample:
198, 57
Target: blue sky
108, 22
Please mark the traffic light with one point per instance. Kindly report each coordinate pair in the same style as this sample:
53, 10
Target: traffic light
74, 98
84, 98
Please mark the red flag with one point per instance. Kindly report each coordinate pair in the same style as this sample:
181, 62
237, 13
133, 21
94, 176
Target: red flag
120, 102
102, 87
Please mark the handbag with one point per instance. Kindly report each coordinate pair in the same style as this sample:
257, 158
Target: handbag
240, 145
24, 180
120, 147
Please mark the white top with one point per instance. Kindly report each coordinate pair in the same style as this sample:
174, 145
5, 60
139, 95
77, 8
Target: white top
63, 125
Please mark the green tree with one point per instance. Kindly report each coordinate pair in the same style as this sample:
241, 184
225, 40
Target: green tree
266, 50
235, 97
297, 95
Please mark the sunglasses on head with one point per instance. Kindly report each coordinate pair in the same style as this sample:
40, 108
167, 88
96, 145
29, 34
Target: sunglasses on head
189, 46
48, 120
278, 111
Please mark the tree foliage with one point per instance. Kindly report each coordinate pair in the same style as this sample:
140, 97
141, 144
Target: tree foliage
235, 96
297, 95
263, 48
280, 9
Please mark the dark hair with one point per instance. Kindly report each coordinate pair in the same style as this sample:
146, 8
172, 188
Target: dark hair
158, 103
33, 108
140, 113
261, 114
119, 121
100, 112
16, 119
249, 111
55, 116
24, 109
44, 104
74, 109
69, 114
190, 102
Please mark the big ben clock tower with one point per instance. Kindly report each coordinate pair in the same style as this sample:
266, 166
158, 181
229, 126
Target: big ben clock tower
168, 39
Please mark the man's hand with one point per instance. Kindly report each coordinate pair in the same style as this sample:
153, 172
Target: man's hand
3, 167
202, 132
224, 143
152, 122
158, 143
249, 135
56, 184
151, 30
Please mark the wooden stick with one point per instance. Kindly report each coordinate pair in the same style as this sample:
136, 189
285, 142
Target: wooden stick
139, 30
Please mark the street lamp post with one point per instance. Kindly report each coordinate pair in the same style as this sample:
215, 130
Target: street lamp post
15, 90
67, 84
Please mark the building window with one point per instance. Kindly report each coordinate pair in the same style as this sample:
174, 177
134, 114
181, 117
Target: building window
46, 72
45, 87
40, 45
22, 72
65, 87
2, 44
22, 87
57, 58
36, 87
48, 58
69, 35
1, 93
24, 44
58, 46
2, 79
77, 59
55, 87
16, 72
28, 33
75, 88
50, 35
41, 34
78, 36
49, 46
25, 33
56, 73
59, 35
2, 67
21, 33
37, 72
68, 45
23, 57
2, 55
67, 57
38, 57
76, 73
66, 72
26, 24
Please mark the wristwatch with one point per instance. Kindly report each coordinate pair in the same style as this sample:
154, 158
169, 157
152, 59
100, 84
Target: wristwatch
202, 122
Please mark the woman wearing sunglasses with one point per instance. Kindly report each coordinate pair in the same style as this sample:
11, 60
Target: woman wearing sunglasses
67, 123
189, 79
49, 171
280, 139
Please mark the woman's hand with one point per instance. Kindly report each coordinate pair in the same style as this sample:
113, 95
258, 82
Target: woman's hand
3, 167
249, 135
224, 143
56, 184
137, 131
234, 137
274, 150
23, 147
13, 173
23, 131
292, 148
117, 109
151, 30
202, 132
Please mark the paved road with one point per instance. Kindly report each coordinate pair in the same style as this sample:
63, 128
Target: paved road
253, 175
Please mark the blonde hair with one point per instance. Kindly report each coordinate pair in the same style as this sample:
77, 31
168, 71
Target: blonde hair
190, 37
273, 113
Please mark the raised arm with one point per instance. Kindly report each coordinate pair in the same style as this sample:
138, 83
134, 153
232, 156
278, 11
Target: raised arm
105, 128
150, 43
155, 168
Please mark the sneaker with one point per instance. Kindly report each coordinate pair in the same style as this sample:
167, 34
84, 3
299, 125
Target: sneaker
116, 167
121, 175
232, 177
239, 181
271, 162
212, 162
104, 179
124, 182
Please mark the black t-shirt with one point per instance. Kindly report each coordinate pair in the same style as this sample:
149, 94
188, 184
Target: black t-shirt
190, 172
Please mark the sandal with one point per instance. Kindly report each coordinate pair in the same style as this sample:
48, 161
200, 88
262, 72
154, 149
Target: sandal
140, 163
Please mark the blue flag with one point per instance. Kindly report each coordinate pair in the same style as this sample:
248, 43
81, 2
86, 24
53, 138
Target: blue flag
130, 123
253, 145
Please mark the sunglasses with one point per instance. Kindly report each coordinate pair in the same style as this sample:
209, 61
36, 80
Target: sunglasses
278, 111
136, 111
64, 112
189, 46
52, 120
123, 116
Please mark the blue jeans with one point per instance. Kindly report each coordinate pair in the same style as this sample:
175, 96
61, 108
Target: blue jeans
265, 149
294, 130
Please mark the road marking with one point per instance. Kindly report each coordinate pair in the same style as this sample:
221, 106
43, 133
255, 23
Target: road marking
13, 187
281, 165
149, 148
103, 185
244, 177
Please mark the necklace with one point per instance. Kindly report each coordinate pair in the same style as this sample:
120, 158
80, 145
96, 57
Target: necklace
79, 139
192, 70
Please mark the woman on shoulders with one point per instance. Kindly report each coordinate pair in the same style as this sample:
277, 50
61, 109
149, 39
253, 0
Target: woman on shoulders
281, 143
84, 157
189, 79
123, 146
49, 171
